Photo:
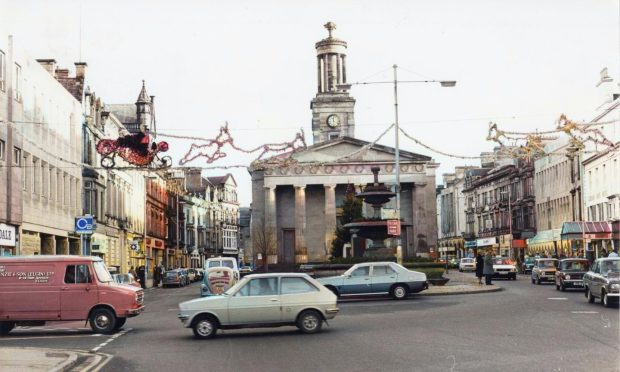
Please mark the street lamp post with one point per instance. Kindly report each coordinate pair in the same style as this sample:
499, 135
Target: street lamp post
509, 218
395, 81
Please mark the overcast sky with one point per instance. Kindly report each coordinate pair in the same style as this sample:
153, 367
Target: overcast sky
253, 64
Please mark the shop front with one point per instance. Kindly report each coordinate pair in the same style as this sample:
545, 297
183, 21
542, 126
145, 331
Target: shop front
135, 250
590, 239
155, 251
470, 248
8, 240
484, 244
550, 243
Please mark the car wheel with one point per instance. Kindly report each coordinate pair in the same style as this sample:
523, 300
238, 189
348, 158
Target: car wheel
589, 295
310, 321
103, 321
205, 327
6, 327
120, 322
399, 292
605, 299
333, 290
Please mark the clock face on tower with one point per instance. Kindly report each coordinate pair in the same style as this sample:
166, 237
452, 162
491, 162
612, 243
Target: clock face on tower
333, 121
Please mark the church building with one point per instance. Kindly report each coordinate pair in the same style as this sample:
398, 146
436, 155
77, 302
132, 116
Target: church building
299, 203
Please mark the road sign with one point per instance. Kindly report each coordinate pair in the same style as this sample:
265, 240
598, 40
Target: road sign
393, 227
134, 245
84, 225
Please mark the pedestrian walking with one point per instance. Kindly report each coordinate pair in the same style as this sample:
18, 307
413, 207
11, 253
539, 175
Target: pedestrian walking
487, 269
479, 267
142, 276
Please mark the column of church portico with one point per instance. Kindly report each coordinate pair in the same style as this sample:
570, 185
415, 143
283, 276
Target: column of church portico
330, 215
300, 217
270, 207
420, 225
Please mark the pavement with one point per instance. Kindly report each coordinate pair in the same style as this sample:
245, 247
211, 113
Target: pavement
459, 284
16, 359
13, 359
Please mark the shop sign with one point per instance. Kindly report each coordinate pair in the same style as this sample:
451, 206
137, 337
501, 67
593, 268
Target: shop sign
393, 227
7, 235
470, 244
486, 241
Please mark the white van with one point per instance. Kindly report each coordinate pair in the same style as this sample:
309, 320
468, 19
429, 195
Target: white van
229, 262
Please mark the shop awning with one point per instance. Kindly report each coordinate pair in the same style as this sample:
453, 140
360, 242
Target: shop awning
586, 230
545, 236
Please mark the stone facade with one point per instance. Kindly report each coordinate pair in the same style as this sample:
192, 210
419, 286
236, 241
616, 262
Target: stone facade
299, 203
41, 195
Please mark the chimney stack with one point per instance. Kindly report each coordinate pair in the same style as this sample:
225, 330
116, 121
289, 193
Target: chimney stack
62, 73
49, 65
80, 70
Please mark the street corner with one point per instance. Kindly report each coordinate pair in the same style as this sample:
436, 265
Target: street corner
460, 289
17, 359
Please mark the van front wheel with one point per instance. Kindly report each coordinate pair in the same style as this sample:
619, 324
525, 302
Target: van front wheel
103, 321
6, 327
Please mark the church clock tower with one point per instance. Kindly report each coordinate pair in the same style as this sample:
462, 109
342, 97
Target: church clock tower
332, 108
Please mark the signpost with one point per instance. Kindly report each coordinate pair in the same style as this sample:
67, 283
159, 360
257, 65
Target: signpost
84, 225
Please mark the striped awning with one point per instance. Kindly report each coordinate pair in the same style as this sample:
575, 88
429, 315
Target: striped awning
586, 230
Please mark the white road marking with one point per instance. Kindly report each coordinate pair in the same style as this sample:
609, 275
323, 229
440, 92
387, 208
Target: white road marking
110, 339
584, 312
173, 309
557, 298
37, 337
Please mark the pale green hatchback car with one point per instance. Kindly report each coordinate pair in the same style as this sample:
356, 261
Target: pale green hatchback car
261, 300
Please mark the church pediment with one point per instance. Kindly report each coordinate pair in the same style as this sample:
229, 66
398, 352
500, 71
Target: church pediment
348, 149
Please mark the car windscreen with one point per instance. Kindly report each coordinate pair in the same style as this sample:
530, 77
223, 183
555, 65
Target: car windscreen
102, 272
548, 264
502, 261
171, 274
610, 267
575, 265
215, 264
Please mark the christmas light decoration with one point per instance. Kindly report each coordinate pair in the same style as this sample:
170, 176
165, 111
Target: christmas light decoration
212, 149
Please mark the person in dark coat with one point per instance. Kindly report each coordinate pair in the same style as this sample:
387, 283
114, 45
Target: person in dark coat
487, 269
141, 276
479, 267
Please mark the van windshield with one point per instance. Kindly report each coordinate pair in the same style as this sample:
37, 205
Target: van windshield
102, 272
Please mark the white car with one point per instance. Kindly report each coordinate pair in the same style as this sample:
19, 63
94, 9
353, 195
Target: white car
467, 264
504, 267
260, 300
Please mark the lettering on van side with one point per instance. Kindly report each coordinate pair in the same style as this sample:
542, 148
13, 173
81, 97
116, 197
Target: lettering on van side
36, 276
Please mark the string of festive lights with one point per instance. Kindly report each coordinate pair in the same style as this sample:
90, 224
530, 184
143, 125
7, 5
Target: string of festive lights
211, 149
435, 150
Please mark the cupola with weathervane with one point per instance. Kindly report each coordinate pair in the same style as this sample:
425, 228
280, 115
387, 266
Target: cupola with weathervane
332, 108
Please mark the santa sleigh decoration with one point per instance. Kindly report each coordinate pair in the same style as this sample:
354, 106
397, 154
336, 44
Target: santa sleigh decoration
135, 150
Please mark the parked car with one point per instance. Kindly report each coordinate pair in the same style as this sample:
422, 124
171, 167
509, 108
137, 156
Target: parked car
603, 281
200, 274
544, 270
191, 275
467, 264
173, 278
377, 278
569, 273
527, 265
261, 300
36, 289
504, 267
245, 270
126, 279
185, 276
